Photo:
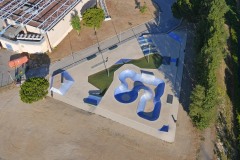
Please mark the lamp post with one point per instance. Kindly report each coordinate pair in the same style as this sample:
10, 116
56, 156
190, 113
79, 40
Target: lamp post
159, 17
99, 50
179, 51
71, 47
149, 46
104, 62
116, 31
130, 24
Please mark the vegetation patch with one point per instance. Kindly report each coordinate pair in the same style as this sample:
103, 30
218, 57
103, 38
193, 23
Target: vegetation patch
93, 17
75, 22
211, 38
34, 89
102, 81
210, 99
143, 8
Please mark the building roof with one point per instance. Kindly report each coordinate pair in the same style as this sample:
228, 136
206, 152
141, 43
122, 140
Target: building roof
18, 62
43, 14
12, 31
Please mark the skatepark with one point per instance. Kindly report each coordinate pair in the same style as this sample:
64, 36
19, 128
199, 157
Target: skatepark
151, 113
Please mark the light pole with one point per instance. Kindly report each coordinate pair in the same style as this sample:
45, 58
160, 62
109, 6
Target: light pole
99, 50
104, 62
115, 31
148, 51
71, 47
179, 51
130, 24
159, 17
120, 36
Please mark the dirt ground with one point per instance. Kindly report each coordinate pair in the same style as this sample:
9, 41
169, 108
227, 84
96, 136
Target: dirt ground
50, 129
124, 15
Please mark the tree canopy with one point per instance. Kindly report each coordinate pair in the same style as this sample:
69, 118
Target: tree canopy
143, 8
34, 89
192, 10
75, 22
211, 36
93, 17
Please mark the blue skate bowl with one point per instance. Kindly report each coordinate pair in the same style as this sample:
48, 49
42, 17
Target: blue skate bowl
125, 95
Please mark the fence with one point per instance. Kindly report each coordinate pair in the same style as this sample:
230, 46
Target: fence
6, 78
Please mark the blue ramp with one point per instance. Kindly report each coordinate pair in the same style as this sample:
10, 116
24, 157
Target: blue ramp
175, 37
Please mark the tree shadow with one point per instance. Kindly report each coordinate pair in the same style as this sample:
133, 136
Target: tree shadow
157, 60
137, 4
38, 65
232, 80
188, 76
75, 13
16, 56
89, 4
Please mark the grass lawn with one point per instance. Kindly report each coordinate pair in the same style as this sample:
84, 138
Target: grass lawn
102, 81
155, 60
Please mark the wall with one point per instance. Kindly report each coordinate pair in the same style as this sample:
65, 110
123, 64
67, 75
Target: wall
25, 46
55, 35
63, 27
33, 29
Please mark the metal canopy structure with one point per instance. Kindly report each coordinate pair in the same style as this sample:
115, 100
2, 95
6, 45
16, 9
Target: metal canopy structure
7, 10
42, 14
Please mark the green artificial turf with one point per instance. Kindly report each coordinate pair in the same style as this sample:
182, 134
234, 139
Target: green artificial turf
155, 60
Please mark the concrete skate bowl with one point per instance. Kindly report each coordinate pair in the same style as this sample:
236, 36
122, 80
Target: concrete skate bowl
126, 95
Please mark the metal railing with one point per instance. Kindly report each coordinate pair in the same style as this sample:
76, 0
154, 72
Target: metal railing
6, 78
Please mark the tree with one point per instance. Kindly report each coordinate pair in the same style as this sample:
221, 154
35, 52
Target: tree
34, 89
197, 112
211, 38
143, 8
75, 22
93, 17
192, 10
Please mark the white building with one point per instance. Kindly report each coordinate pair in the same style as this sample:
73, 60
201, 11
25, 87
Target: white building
37, 26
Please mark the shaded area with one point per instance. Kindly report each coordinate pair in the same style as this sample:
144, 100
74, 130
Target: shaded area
155, 60
164, 16
87, 5
38, 65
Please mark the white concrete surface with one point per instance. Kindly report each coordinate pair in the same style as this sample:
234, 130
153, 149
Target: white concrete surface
126, 113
